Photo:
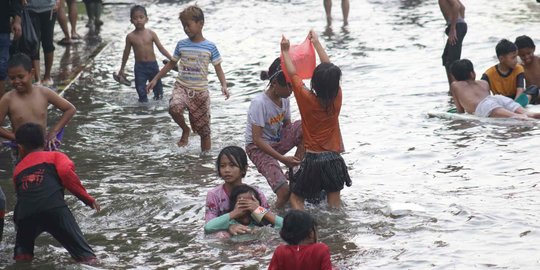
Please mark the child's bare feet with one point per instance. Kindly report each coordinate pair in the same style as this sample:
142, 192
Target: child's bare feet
185, 138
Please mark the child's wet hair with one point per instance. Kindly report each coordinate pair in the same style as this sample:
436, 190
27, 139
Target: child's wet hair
20, 59
274, 73
524, 42
30, 136
461, 69
297, 225
194, 13
236, 155
136, 8
325, 83
505, 47
241, 189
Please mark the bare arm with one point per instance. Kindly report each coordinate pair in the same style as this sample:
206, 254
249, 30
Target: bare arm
4, 109
289, 161
160, 47
160, 74
289, 66
318, 47
62, 104
454, 15
459, 107
222, 80
125, 56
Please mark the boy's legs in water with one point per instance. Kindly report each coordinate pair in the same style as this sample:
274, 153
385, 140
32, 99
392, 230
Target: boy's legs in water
504, 113
333, 199
520, 112
296, 201
178, 117
344, 9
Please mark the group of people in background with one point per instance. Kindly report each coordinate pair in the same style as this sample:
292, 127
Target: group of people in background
506, 88
316, 171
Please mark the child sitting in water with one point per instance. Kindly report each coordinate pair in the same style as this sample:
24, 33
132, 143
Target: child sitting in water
142, 40
473, 96
246, 213
322, 168
531, 64
302, 250
231, 166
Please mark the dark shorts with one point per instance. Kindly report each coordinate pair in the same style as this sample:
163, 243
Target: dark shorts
61, 224
453, 53
4, 55
43, 24
145, 72
320, 171
532, 90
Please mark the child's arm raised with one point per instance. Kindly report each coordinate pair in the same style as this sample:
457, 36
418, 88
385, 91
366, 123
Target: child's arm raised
160, 47
318, 47
222, 80
125, 56
289, 66
68, 112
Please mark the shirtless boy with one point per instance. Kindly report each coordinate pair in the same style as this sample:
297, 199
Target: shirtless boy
28, 103
472, 96
454, 14
142, 40
531, 64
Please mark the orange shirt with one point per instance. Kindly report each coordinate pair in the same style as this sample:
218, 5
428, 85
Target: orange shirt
320, 128
504, 85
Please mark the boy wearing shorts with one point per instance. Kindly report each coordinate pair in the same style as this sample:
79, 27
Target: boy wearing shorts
472, 96
142, 40
40, 179
193, 55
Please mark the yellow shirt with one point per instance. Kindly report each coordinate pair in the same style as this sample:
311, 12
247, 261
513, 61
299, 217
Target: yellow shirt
501, 84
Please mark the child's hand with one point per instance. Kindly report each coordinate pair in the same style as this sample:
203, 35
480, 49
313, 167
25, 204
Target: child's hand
285, 44
150, 86
51, 141
225, 92
95, 205
313, 36
236, 229
290, 161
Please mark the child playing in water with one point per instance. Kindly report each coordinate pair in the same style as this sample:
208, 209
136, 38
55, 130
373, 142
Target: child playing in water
322, 168
472, 96
231, 166
531, 64
28, 103
246, 213
142, 40
507, 77
40, 179
302, 250
191, 87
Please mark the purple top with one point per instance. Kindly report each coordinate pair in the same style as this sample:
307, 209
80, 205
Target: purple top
217, 202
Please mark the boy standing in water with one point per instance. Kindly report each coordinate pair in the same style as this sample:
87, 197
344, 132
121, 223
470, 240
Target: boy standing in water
473, 96
506, 78
454, 14
531, 64
28, 103
40, 179
142, 40
191, 87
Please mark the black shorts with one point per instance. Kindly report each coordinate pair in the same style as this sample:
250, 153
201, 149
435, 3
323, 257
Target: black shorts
61, 224
320, 171
453, 53
43, 23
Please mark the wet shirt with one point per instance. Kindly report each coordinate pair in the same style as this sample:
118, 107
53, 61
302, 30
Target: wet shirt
40, 179
8, 9
223, 222
320, 127
505, 84
194, 60
217, 202
301, 257
263, 112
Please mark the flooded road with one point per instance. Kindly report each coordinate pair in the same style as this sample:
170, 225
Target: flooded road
471, 186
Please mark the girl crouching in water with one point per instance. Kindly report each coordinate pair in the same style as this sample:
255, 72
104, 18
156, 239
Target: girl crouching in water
231, 166
322, 168
302, 250
246, 213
